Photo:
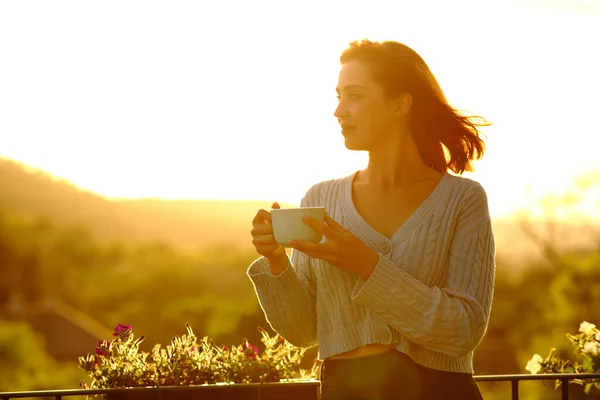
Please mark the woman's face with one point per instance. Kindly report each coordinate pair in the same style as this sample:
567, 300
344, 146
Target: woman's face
367, 116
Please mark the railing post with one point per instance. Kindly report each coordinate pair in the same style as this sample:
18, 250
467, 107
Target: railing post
564, 388
514, 383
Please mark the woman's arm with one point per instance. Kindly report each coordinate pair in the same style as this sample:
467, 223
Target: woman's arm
288, 299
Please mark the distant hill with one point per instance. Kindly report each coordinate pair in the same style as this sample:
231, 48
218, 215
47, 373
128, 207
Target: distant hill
187, 224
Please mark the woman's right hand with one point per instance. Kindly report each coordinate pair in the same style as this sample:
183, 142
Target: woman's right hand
264, 240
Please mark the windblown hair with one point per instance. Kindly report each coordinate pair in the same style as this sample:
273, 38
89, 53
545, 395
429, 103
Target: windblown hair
446, 139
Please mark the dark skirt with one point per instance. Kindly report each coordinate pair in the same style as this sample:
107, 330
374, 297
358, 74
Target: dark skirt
392, 376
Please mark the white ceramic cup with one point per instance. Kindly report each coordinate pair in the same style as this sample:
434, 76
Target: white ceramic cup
288, 224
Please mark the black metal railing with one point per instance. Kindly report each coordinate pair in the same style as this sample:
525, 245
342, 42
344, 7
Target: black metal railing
516, 378
513, 379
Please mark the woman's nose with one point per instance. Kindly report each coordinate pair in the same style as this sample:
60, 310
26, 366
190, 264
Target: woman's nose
340, 111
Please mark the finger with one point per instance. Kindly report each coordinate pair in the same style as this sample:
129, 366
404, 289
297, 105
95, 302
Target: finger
318, 255
275, 206
261, 216
308, 252
263, 239
266, 248
270, 250
334, 224
320, 227
316, 250
262, 229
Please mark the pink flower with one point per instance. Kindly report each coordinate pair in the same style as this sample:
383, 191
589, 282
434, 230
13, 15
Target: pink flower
102, 348
251, 350
122, 330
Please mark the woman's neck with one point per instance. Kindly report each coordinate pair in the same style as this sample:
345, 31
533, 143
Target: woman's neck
395, 165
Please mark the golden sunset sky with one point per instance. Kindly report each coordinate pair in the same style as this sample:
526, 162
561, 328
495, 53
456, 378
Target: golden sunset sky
235, 99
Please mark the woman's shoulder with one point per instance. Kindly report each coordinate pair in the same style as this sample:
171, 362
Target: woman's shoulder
463, 185
322, 191
467, 193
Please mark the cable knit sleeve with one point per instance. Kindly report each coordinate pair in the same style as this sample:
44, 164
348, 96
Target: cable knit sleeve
452, 318
288, 300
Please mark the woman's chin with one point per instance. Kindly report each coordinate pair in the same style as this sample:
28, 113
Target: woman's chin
354, 145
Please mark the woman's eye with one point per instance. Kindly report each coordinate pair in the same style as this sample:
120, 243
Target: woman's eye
352, 96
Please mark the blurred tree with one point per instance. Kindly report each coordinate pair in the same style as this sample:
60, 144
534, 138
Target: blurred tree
24, 364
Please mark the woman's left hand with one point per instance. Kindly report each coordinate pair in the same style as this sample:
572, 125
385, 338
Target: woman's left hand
342, 249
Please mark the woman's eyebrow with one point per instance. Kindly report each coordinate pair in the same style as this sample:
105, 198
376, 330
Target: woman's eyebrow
347, 87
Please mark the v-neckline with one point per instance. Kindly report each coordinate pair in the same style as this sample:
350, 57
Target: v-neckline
359, 223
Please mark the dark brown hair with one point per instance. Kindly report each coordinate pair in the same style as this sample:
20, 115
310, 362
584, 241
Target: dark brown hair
446, 139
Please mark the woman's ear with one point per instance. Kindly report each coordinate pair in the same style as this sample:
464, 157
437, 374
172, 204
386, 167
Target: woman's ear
403, 104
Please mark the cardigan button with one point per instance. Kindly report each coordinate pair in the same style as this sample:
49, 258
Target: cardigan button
386, 247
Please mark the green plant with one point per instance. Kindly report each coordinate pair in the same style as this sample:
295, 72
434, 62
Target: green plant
586, 357
189, 361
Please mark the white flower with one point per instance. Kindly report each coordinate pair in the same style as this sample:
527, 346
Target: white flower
587, 328
598, 336
534, 365
592, 348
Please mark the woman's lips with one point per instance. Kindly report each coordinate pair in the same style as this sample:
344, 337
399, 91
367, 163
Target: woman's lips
347, 129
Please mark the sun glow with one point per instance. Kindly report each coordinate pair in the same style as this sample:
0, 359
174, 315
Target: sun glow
205, 100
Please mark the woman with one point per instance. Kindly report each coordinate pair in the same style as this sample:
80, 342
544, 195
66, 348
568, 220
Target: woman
398, 294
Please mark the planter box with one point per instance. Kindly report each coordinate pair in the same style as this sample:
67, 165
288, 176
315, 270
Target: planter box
247, 391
